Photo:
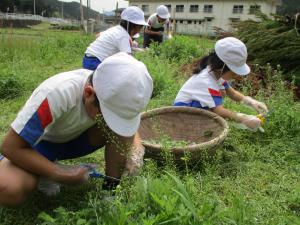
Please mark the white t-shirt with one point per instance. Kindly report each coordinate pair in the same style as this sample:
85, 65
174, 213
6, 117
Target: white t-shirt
113, 40
202, 90
153, 22
55, 111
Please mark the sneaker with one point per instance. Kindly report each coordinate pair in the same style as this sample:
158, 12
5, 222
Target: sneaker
48, 187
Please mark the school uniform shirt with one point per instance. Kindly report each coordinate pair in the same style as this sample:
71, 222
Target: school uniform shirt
202, 90
55, 111
110, 42
153, 22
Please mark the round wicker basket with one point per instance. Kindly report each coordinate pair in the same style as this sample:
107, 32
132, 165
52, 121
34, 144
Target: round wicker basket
183, 131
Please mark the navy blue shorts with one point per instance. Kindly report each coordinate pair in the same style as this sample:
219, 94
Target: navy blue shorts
90, 63
59, 151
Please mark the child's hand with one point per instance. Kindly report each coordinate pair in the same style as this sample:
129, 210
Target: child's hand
260, 107
135, 161
250, 121
71, 174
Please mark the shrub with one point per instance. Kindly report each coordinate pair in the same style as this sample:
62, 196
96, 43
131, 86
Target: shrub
10, 86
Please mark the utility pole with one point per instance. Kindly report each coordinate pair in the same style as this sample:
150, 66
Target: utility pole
81, 15
88, 9
116, 12
62, 9
34, 12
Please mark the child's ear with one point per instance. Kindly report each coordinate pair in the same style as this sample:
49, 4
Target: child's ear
88, 91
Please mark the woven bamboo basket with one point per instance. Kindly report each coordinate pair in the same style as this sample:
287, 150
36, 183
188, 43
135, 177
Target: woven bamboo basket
181, 131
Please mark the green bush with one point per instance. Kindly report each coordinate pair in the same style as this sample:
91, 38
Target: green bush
10, 87
180, 49
272, 41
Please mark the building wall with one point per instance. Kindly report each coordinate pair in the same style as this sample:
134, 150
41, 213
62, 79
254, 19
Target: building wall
204, 19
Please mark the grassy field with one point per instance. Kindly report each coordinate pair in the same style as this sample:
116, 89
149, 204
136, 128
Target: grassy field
254, 178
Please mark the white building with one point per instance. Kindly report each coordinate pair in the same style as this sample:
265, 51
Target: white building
200, 16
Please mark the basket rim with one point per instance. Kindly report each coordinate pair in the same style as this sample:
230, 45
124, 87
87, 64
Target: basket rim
191, 110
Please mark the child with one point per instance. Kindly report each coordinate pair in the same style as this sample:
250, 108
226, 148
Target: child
204, 89
157, 21
59, 122
115, 39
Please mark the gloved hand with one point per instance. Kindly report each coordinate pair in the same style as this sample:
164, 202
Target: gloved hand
135, 161
160, 33
260, 107
250, 122
66, 174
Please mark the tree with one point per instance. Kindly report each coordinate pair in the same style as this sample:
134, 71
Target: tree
289, 7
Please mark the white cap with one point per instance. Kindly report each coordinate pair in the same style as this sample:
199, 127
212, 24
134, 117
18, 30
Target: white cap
134, 15
163, 12
123, 87
233, 53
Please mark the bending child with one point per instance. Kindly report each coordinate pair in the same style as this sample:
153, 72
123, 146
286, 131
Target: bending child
204, 89
156, 26
115, 39
70, 115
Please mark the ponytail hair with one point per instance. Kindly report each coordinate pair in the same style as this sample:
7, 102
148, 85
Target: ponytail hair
211, 60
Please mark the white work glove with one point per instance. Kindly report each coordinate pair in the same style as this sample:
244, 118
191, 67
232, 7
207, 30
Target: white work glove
135, 161
248, 122
260, 107
70, 174
161, 33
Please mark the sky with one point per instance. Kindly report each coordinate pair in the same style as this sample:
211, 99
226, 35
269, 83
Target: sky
100, 5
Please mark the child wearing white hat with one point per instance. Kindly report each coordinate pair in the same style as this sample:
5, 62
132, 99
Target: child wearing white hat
115, 39
206, 87
70, 115
156, 26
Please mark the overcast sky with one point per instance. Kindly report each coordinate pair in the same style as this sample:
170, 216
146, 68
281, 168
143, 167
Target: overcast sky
100, 5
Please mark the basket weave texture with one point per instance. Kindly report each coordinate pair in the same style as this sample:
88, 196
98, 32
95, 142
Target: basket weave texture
200, 131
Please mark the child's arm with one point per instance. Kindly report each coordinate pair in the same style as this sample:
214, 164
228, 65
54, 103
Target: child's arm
19, 152
116, 151
250, 121
234, 94
260, 107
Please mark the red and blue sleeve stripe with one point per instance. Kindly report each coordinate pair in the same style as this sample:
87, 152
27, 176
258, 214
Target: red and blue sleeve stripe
217, 96
35, 126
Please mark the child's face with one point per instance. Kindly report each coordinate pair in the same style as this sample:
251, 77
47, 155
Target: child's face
161, 20
229, 75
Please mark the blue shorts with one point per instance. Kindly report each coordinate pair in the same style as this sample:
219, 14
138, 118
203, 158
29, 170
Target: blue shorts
194, 104
59, 151
90, 63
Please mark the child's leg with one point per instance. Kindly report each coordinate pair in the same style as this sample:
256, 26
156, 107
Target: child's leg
15, 183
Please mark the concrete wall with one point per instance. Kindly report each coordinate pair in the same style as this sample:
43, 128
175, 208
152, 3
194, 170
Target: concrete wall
202, 22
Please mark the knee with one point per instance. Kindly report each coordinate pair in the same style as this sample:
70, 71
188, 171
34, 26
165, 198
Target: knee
11, 195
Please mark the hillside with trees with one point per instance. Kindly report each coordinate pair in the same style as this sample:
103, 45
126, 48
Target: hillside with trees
48, 8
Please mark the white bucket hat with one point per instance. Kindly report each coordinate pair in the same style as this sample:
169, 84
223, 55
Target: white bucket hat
134, 15
123, 87
163, 12
233, 53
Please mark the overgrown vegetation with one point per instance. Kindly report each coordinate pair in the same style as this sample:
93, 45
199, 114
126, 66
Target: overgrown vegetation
275, 42
253, 179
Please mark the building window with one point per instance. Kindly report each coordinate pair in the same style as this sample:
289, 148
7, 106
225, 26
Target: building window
208, 8
194, 8
179, 8
238, 9
254, 9
189, 22
169, 8
145, 8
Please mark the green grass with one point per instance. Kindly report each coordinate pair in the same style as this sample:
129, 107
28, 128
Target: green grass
254, 178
